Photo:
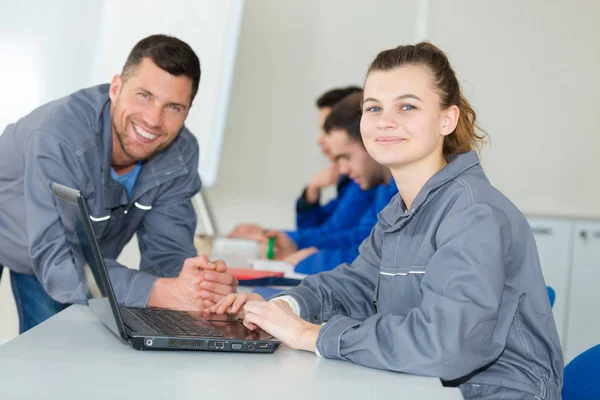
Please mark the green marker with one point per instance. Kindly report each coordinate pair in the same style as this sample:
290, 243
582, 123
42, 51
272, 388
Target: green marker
270, 246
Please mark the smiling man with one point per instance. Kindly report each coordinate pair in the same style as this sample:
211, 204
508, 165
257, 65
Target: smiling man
125, 147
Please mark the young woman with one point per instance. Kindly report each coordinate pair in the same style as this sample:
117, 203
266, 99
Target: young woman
449, 282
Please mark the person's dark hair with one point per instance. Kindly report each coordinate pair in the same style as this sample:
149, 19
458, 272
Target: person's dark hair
330, 97
168, 53
467, 135
345, 115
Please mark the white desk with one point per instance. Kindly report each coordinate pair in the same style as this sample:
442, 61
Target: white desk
74, 356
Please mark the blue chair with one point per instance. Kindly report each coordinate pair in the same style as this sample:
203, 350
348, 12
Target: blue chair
582, 376
551, 295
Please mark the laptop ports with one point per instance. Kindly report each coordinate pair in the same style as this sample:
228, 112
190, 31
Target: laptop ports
263, 345
219, 345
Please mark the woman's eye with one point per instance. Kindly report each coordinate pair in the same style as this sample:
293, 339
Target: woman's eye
407, 107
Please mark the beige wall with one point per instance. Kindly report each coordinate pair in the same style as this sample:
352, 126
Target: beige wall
290, 52
531, 68
528, 67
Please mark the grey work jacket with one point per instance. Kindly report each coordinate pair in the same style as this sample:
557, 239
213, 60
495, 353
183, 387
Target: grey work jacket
69, 141
452, 288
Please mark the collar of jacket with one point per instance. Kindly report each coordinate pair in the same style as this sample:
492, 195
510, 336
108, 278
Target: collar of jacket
164, 166
394, 216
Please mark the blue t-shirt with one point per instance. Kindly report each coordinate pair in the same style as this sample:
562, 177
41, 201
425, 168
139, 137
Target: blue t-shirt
128, 179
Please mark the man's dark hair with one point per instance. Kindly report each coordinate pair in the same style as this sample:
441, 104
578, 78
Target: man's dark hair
345, 115
169, 54
329, 98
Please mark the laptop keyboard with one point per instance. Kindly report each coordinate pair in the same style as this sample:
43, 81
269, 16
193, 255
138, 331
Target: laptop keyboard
177, 323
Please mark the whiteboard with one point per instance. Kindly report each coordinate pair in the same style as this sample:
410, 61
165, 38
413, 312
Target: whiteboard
58, 47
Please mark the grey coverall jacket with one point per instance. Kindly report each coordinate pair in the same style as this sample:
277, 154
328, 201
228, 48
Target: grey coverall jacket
452, 288
69, 141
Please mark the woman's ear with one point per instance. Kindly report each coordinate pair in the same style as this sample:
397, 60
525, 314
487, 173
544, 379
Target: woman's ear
449, 120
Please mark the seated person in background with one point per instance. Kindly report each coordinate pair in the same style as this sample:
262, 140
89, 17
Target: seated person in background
312, 262
449, 282
326, 249
309, 211
345, 210
125, 147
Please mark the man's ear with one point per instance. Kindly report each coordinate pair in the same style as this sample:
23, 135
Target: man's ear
115, 88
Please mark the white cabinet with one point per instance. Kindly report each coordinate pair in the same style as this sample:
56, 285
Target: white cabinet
570, 258
554, 239
583, 327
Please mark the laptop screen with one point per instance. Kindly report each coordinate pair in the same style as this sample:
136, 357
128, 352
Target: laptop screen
81, 250
80, 236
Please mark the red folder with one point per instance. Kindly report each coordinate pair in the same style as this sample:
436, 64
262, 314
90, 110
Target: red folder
248, 273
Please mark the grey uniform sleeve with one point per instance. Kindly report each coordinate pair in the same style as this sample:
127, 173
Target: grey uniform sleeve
347, 290
166, 236
48, 161
463, 319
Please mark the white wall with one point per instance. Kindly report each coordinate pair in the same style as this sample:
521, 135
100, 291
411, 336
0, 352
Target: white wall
9, 324
27, 76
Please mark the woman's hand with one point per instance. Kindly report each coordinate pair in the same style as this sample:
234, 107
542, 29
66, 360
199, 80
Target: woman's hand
234, 304
277, 318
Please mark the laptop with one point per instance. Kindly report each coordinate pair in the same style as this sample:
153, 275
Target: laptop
147, 328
